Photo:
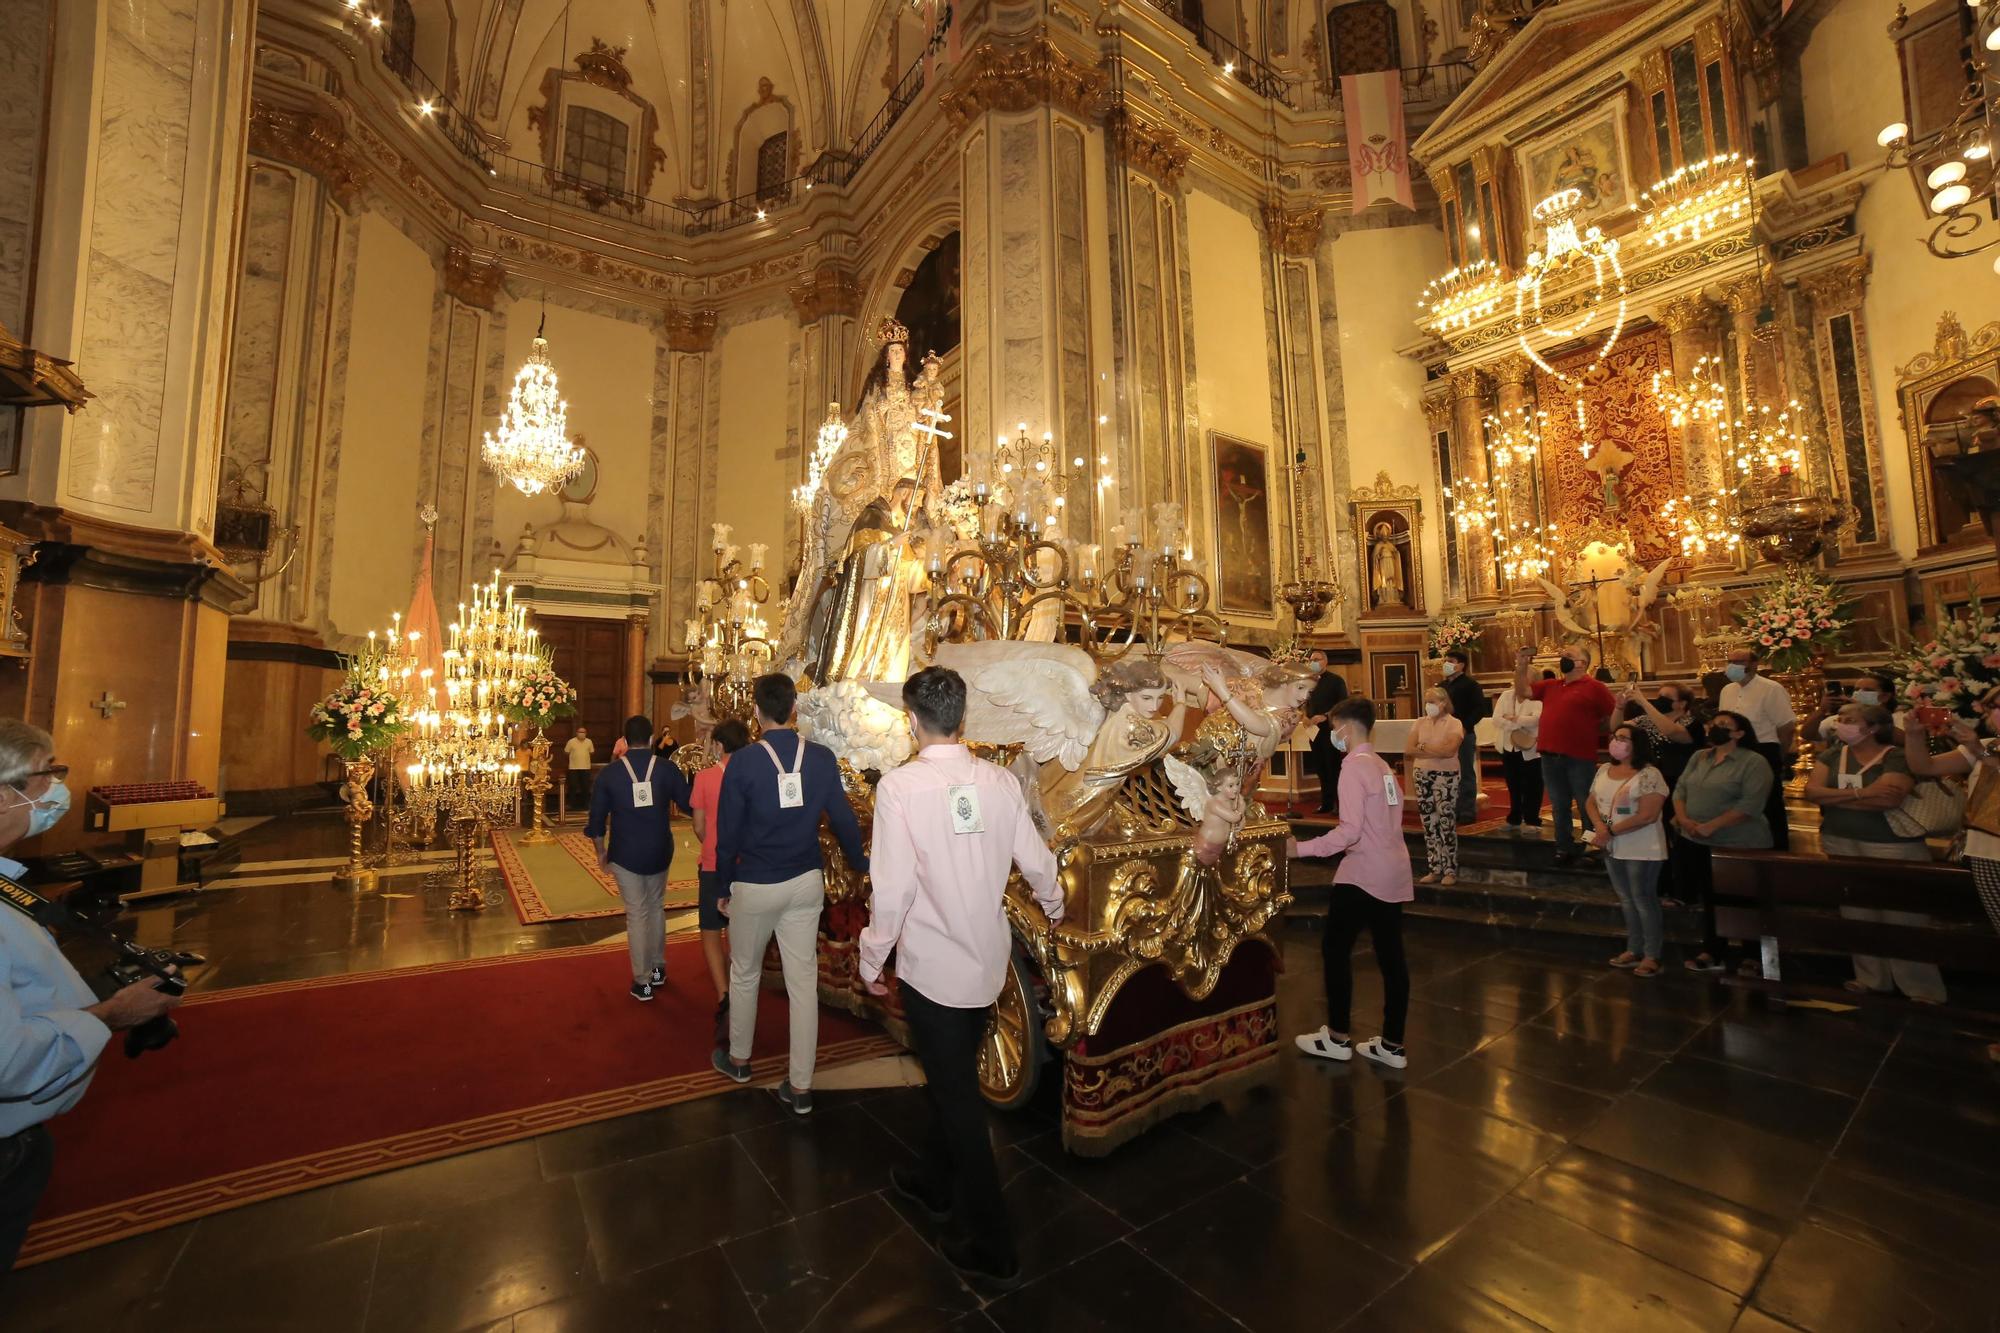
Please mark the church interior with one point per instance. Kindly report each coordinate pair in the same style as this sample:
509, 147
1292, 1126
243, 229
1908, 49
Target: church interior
1168, 370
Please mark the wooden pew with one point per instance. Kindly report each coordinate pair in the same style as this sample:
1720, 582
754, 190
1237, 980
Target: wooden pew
1793, 902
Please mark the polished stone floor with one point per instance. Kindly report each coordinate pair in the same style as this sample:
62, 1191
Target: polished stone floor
1571, 1148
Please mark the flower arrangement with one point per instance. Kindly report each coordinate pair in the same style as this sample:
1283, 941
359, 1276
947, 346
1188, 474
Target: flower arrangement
1452, 630
538, 696
1953, 669
1798, 617
359, 716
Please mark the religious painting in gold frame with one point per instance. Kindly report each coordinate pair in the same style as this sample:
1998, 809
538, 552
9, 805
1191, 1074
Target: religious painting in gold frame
1243, 528
1588, 154
1387, 522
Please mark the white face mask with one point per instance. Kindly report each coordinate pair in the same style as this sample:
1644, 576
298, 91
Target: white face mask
1451, 668
1867, 697
1431, 710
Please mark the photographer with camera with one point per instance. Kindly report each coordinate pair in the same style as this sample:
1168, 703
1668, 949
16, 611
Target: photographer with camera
52, 1027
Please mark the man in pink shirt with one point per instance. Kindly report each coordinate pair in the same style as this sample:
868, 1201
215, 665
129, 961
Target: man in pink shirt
948, 829
727, 738
1369, 889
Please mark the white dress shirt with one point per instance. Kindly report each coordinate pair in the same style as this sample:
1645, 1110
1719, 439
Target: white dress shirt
938, 892
1764, 702
48, 1045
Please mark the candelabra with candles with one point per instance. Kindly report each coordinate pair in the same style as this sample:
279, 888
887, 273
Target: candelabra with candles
464, 771
728, 642
1309, 595
394, 661
1713, 637
1507, 507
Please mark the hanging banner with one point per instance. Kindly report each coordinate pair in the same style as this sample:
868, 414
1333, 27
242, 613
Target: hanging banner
1378, 147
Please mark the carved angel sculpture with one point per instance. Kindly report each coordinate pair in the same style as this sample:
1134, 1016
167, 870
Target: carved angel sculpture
1218, 807
1572, 607
1642, 594
1264, 697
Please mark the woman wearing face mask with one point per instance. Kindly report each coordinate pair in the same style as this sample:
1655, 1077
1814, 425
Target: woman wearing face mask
1868, 691
1626, 801
1855, 783
1433, 756
1719, 802
1977, 758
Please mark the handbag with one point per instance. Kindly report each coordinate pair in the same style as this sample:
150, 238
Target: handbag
1934, 807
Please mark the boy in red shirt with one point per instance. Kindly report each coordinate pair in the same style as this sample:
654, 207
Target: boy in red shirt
728, 737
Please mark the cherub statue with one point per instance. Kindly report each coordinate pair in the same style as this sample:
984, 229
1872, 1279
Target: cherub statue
1209, 782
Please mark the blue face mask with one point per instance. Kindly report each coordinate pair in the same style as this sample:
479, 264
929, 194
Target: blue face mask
1339, 741
45, 813
1736, 672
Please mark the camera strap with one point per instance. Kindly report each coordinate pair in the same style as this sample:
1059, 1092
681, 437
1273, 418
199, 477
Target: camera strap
31, 904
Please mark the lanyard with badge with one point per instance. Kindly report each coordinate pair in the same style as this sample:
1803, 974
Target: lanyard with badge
966, 816
791, 787
642, 788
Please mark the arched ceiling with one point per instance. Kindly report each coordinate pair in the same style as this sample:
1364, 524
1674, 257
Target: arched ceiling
699, 63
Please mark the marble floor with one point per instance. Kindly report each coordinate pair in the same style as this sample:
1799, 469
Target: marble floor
1571, 1148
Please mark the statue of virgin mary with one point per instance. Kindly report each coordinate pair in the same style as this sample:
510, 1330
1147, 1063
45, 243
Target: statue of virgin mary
851, 616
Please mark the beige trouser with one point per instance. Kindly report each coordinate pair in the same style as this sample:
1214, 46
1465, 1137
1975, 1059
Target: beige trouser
790, 910
1919, 981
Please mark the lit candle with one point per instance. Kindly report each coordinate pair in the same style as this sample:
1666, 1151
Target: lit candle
757, 550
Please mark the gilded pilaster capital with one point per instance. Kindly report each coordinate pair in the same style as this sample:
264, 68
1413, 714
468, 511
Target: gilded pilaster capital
1837, 288
1020, 76
1468, 384
825, 292
1693, 313
1293, 232
1155, 149
1513, 372
316, 142
472, 281
690, 330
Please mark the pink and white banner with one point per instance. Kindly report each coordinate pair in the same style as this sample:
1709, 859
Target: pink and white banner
1378, 147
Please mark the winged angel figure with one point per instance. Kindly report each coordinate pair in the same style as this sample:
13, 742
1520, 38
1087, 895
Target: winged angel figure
1263, 697
1630, 623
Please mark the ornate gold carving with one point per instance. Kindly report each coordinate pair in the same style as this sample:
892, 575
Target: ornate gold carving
1951, 346
1191, 925
1708, 35
1653, 71
604, 66
584, 263
690, 330
1019, 76
825, 292
1294, 231
1693, 313
316, 142
1512, 372
1153, 149
1385, 489
472, 281
1837, 288
1437, 411
1745, 295
1468, 384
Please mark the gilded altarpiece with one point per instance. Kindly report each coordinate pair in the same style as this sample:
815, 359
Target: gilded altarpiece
1634, 466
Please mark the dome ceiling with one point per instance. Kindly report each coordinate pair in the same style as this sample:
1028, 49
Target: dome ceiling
721, 77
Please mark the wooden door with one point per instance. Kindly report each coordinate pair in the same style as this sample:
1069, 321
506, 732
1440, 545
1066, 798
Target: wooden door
589, 654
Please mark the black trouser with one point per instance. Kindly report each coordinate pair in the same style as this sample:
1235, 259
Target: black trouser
25, 1160
1774, 804
1524, 787
1468, 775
1351, 908
957, 1159
1326, 765
1693, 866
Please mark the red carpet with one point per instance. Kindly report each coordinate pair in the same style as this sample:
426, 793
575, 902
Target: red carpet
275, 1089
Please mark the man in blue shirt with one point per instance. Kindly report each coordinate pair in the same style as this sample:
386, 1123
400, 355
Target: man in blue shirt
52, 1028
636, 793
774, 793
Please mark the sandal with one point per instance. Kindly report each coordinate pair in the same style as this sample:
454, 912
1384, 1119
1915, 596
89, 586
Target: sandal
1427, 879
1648, 967
1626, 959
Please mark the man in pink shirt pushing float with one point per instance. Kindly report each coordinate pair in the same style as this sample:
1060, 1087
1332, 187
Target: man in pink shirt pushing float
948, 829
1369, 889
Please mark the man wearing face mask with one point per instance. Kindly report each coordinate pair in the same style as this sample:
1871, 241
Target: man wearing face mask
1468, 705
1769, 707
1575, 707
52, 1028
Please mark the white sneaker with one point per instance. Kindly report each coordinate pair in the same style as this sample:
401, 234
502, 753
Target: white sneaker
1375, 1050
1324, 1045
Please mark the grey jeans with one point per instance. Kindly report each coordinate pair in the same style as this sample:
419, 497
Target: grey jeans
790, 910
645, 899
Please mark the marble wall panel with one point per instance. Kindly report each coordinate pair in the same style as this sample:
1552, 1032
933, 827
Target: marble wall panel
1148, 373
1023, 200
977, 252
333, 425
693, 468
459, 469
24, 43
1073, 379
1300, 370
660, 491
259, 334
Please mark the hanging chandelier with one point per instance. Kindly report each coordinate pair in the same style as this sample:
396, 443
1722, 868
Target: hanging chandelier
1951, 166
1455, 301
1699, 199
531, 446
1569, 252
1707, 518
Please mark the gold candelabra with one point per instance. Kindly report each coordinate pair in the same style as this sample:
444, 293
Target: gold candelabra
464, 769
728, 642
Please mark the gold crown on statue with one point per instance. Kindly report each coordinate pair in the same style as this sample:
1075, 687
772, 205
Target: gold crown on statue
891, 330
1287, 651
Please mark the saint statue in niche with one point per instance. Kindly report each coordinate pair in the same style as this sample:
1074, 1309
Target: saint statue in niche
850, 613
1609, 461
1388, 584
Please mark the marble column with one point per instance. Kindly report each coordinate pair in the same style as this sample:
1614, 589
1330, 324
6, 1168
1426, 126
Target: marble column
134, 280
1293, 239
1513, 381
1694, 332
1470, 405
827, 301
465, 393
690, 340
1760, 371
635, 667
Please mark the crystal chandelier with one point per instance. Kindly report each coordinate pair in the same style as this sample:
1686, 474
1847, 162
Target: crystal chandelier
1569, 252
531, 448
1461, 298
1952, 167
